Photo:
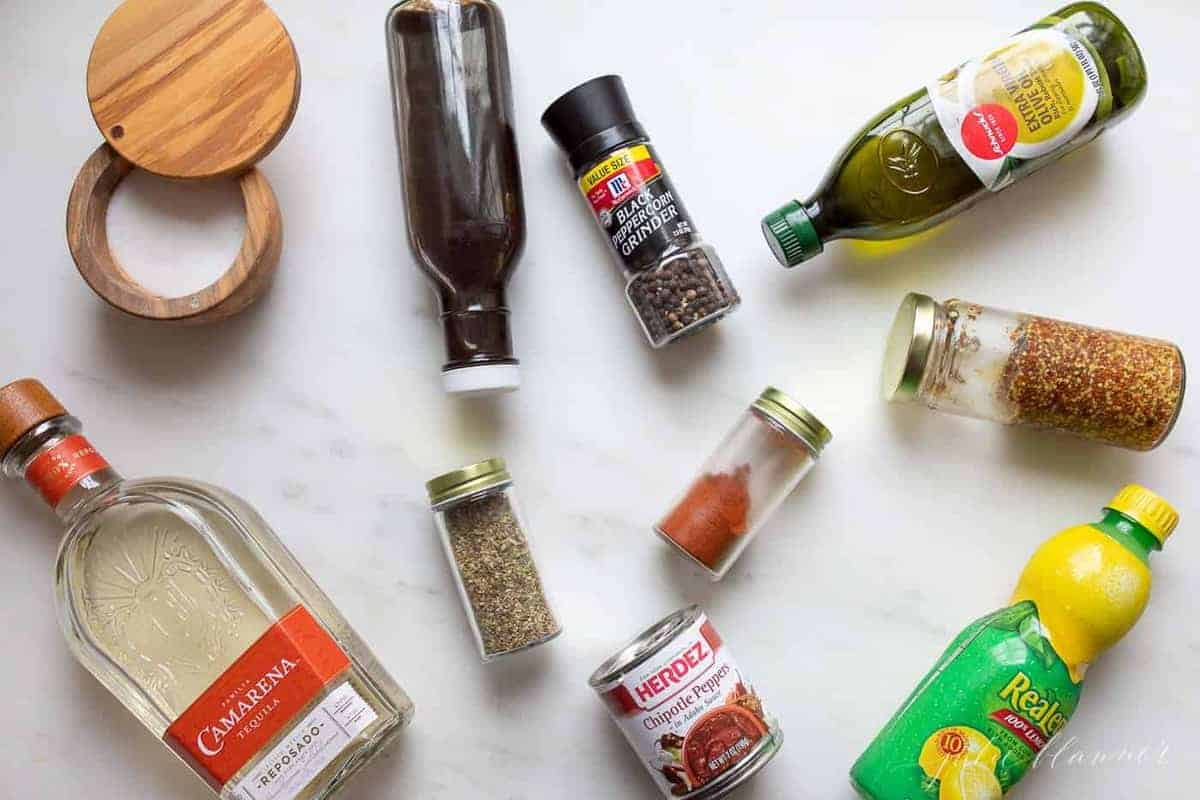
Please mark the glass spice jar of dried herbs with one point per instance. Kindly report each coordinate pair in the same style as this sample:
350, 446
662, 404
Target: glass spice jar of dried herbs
1020, 369
483, 533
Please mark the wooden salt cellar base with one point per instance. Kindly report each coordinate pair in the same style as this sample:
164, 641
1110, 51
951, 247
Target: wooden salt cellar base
238, 288
188, 90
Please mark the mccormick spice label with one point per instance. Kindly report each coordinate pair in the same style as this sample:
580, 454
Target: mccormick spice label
691, 715
263, 695
637, 205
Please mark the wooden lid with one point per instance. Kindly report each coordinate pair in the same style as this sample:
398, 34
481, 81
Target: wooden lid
24, 405
193, 88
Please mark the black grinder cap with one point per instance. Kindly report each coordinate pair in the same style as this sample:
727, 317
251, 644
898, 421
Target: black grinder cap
592, 119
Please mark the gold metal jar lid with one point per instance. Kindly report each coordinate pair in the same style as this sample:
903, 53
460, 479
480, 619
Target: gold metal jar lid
468, 480
795, 418
908, 347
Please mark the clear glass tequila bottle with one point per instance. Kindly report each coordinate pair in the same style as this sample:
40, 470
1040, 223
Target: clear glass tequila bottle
180, 599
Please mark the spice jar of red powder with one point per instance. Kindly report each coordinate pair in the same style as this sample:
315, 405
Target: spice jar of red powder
744, 482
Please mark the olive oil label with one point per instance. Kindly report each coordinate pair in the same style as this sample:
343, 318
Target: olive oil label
260, 696
637, 205
1018, 104
690, 714
979, 719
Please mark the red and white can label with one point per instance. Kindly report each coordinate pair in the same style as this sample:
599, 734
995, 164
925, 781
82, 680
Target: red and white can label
689, 712
58, 470
261, 695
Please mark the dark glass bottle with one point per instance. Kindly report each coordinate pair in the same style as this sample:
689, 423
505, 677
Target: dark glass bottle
462, 176
975, 131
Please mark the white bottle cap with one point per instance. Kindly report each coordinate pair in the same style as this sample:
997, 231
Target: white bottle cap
485, 379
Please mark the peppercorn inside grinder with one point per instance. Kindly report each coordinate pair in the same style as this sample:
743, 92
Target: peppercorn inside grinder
675, 282
188, 90
744, 482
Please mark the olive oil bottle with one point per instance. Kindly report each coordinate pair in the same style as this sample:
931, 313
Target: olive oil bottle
978, 129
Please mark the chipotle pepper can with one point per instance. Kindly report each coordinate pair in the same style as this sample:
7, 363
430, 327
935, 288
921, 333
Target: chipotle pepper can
687, 709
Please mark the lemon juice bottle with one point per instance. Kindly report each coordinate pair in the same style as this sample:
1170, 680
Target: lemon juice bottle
1011, 681
976, 130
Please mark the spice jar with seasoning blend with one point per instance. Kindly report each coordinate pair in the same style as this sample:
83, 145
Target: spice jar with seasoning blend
687, 709
675, 282
1018, 369
483, 532
462, 177
753, 470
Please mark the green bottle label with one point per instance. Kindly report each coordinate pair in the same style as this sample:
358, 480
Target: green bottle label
1028, 100
979, 719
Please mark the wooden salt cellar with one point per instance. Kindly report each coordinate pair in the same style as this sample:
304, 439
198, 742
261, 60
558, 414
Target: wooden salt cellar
189, 90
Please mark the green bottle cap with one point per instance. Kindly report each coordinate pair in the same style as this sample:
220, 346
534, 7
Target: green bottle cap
791, 235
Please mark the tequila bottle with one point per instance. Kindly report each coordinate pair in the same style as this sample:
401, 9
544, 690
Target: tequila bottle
180, 599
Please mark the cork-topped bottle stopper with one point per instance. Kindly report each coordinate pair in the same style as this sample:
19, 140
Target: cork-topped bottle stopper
24, 405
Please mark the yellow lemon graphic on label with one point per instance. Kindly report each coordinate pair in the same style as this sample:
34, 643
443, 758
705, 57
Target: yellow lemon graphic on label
948, 751
972, 782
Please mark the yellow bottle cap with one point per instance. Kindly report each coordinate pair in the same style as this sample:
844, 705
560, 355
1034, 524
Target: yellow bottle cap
1148, 509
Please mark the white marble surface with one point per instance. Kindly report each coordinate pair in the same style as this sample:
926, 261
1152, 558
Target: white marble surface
323, 404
